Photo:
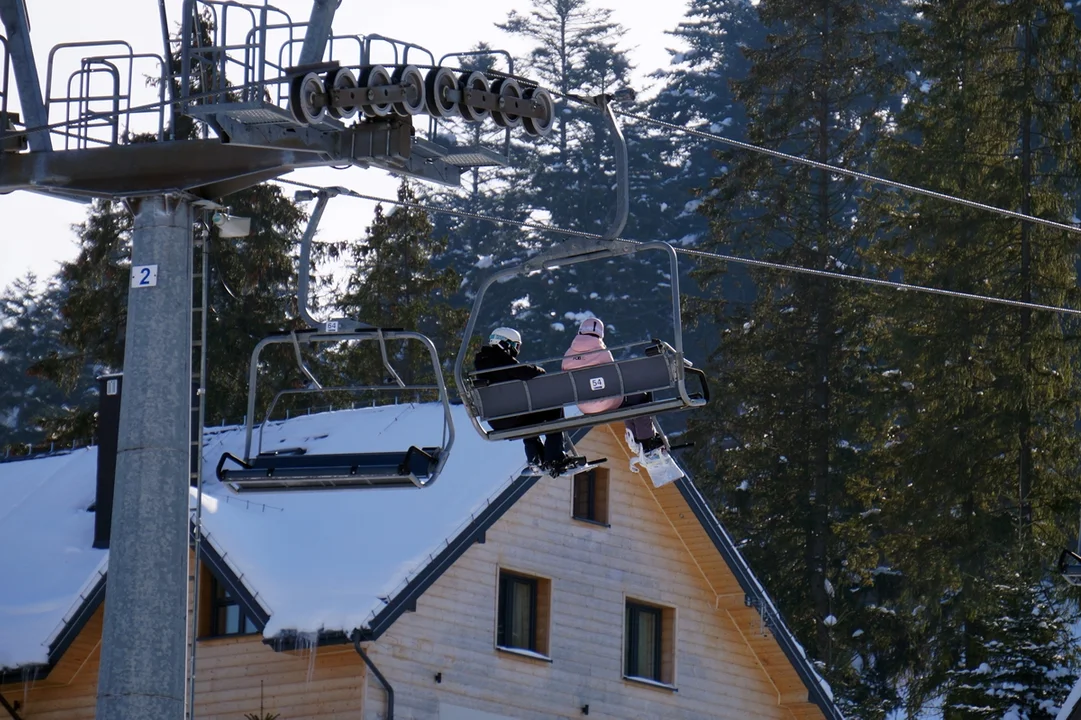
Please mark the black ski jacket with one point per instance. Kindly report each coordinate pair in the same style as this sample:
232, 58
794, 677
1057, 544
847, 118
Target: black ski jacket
491, 357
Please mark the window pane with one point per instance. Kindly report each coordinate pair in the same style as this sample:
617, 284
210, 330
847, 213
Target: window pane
521, 610
648, 644
583, 486
642, 630
232, 619
249, 625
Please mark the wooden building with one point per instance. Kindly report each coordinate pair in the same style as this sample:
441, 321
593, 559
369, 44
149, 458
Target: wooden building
599, 595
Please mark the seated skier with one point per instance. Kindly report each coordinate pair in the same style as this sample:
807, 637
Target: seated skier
500, 358
587, 349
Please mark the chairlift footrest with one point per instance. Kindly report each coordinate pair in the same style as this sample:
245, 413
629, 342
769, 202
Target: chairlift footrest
577, 463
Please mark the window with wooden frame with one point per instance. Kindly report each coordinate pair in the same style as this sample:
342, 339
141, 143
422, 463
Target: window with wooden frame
649, 643
227, 617
590, 496
524, 613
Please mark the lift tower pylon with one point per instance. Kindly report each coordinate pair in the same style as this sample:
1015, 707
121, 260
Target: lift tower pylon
143, 649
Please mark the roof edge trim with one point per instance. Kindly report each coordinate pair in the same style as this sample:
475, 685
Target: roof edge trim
727, 547
91, 601
225, 574
407, 598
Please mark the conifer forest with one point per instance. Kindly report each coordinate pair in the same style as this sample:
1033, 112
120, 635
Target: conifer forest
902, 470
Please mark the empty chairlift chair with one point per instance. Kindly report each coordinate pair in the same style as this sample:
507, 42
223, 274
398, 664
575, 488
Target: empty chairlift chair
294, 469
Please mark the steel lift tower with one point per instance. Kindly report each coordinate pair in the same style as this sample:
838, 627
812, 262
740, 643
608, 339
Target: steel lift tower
264, 96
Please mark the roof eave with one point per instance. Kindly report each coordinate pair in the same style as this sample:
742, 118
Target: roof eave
787, 641
70, 631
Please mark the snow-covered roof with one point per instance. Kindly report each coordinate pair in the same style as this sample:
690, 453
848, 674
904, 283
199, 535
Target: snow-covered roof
329, 560
49, 564
326, 560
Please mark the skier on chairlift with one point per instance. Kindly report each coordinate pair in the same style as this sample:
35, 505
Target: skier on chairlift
498, 362
587, 349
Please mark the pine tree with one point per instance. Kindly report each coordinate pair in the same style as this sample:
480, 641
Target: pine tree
697, 93
394, 284
570, 181
33, 410
801, 403
1021, 658
984, 467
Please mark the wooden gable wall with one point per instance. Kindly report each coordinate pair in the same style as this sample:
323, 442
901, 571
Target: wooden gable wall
233, 676
69, 692
720, 672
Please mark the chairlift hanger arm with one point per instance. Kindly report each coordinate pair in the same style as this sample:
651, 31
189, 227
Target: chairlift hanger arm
321, 197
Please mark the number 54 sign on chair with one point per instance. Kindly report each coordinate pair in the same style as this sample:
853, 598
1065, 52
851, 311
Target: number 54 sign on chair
144, 276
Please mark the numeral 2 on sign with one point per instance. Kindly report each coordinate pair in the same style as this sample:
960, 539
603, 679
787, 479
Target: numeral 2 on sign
144, 276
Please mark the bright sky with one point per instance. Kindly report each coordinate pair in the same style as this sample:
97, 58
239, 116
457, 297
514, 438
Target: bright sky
35, 231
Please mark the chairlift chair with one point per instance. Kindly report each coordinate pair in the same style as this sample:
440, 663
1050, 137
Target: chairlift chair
661, 370
295, 469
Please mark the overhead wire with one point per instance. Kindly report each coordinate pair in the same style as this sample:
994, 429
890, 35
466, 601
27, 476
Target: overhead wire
866, 177
713, 137
765, 264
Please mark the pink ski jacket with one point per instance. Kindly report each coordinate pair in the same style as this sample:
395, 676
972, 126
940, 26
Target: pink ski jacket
584, 351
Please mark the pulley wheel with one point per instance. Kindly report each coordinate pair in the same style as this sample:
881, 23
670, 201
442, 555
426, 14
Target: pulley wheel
307, 99
436, 84
341, 79
371, 78
539, 127
413, 81
505, 88
473, 81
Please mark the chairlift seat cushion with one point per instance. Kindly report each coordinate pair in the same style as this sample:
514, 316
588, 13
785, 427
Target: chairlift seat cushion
557, 390
416, 463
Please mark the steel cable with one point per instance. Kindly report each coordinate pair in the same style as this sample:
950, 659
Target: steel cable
702, 253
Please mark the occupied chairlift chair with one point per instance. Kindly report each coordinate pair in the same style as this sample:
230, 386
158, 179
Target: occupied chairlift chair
296, 470
661, 371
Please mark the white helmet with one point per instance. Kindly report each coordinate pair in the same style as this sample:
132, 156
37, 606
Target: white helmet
592, 326
507, 338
